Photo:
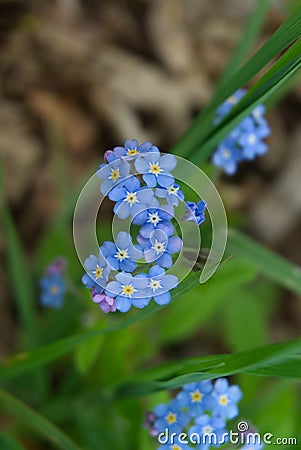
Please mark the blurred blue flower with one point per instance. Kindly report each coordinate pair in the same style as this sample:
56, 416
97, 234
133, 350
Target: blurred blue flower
226, 399
207, 432
53, 291
197, 397
245, 141
156, 169
128, 291
123, 254
227, 156
170, 417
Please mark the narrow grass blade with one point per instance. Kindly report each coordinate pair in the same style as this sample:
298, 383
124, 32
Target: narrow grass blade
267, 262
35, 421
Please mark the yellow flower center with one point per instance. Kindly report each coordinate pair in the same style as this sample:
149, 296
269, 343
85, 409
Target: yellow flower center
128, 290
98, 272
171, 418
54, 289
115, 174
175, 447
196, 396
223, 400
155, 168
132, 152
207, 429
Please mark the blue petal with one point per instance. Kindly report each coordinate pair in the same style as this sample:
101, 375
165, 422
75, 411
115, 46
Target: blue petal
123, 304
174, 244
150, 179
91, 262
165, 180
141, 165
168, 162
165, 261
163, 299
127, 265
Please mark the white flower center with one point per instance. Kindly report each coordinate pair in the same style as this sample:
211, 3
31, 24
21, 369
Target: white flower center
131, 198
159, 247
252, 139
226, 154
122, 254
155, 284
154, 218
207, 429
232, 100
172, 190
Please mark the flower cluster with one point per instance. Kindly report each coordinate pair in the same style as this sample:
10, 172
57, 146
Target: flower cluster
199, 411
52, 284
245, 142
128, 272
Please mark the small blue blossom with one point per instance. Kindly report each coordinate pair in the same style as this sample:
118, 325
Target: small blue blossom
174, 444
170, 417
226, 107
159, 284
153, 218
172, 194
207, 431
112, 174
53, 290
156, 169
123, 254
97, 272
132, 149
195, 212
197, 397
245, 142
227, 157
128, 291
159, 247
226, 399
130, 198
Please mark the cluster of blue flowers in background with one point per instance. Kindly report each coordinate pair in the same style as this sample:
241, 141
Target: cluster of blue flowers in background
52, 284
200, 411
245, 142
139, 180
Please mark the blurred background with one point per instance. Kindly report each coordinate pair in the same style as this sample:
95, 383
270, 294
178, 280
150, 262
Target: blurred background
79, 77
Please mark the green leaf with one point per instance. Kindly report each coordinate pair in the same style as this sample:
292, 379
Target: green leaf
87, 352
291, 369
245, 322
8, 442
246, 42
36, 421
29, 360
201, 128
203, 301
176, 374
267, 262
